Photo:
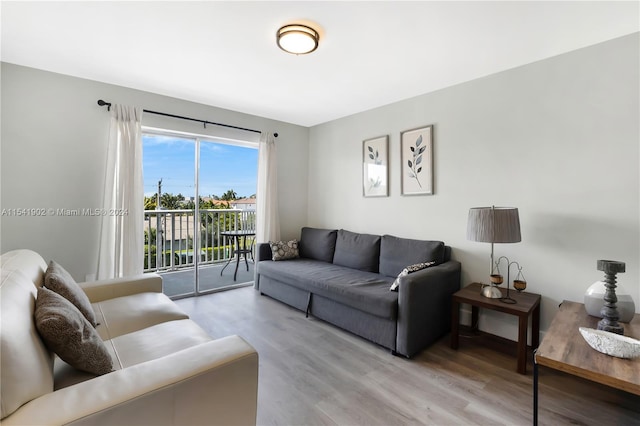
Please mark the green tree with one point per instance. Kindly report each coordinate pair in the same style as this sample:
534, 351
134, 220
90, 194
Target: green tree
150, 202
229, 195
189, 205
171, 202
150, 239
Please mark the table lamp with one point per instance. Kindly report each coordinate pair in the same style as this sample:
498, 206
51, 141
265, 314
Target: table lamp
493, 225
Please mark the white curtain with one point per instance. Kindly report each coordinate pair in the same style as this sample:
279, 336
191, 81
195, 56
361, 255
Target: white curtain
267, 220
121, 250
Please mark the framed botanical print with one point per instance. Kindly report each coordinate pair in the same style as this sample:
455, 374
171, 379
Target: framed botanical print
375, 167
417, 161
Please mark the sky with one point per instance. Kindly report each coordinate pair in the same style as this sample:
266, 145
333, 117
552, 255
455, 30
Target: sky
222, 167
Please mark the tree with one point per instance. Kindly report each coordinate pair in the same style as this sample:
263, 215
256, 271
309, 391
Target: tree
150, 202
229, 195
150, 239
171, 202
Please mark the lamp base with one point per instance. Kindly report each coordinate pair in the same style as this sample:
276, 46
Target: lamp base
491, 292
508, 300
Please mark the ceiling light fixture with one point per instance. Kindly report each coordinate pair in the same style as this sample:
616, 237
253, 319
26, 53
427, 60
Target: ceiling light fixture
297, 39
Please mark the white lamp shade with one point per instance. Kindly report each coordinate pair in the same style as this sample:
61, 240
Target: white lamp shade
494, 225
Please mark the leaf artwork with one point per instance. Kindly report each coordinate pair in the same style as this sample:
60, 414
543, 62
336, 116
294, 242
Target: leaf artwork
374, 155
414, 166
374, 183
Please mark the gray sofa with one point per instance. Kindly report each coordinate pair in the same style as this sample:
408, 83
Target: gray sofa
344, 278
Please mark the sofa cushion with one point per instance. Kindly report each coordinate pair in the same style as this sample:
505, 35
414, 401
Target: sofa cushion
157, 341
126, 314
357, 251
318, 244
396, 253
59, 280
140, 346
68, 333
366, 291
284, 250
26, 364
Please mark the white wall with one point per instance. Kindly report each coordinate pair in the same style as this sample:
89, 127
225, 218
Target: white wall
559, 139
53, 150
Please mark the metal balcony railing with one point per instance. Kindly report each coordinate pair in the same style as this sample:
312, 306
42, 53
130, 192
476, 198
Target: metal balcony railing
171, 237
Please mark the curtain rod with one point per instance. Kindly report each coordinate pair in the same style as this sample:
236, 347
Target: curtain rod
204, 122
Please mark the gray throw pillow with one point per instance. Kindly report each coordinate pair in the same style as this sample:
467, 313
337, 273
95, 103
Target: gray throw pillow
59, 280
67, 332
284, 250
409, 269
318, 244
357, 251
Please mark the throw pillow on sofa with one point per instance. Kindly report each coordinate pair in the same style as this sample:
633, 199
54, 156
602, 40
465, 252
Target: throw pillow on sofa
409, 269
67, 332
57, 279
283, 250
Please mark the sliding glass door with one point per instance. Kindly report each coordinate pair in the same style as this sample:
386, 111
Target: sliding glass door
196, 191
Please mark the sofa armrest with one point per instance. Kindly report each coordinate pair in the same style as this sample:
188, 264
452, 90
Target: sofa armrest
424, 306
212, 383
100, 290
264, 252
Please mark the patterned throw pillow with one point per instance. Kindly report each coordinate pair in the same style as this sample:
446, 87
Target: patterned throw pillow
409, 269
67, 332
283, 250
60, 281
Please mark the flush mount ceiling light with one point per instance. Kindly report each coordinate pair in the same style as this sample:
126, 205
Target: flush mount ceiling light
297, 39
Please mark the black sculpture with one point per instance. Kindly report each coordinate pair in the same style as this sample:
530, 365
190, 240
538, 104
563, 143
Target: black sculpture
610, 315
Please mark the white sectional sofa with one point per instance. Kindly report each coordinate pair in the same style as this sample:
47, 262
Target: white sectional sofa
167, 370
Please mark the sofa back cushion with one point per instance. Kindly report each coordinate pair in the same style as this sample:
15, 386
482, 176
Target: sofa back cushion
318, 244
397, 253
357, 251
26, 370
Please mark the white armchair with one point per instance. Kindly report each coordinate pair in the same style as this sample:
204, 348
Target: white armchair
168, 371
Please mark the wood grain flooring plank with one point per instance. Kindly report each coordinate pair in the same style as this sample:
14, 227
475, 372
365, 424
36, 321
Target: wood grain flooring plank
312, 373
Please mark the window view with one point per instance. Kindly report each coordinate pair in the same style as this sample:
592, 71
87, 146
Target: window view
198, 195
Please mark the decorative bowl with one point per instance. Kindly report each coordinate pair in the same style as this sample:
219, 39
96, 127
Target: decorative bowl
611, 343
496, 279
519, 284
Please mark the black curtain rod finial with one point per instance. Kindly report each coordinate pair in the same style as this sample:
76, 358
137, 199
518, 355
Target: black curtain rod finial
103, 103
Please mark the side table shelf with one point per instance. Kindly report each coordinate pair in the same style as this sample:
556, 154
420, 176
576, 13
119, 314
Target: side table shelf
527, 305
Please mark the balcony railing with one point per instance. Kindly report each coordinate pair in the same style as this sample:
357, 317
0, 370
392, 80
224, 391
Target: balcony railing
170, 236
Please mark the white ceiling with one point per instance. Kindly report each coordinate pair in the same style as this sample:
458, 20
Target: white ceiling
371, 53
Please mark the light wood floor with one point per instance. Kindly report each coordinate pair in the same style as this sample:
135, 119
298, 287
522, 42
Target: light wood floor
312, 373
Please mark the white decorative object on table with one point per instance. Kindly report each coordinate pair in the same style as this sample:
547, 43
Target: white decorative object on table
594, 301
611, 343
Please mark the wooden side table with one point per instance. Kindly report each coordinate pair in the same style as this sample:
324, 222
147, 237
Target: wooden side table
563, 348
528, 304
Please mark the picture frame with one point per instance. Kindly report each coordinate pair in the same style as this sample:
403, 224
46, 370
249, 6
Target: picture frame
417, 161
375, 167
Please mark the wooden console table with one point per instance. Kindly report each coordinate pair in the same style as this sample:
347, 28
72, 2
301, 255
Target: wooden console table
528, 304
563, 348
